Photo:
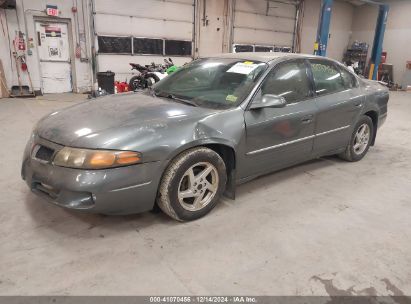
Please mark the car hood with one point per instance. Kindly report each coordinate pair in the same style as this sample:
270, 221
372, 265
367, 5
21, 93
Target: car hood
111, 122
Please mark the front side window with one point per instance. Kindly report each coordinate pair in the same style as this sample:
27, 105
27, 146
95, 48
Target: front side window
327, 78
213, 82
288, 80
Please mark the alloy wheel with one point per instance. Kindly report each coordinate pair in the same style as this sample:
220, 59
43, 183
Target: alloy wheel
361, 139
198, 186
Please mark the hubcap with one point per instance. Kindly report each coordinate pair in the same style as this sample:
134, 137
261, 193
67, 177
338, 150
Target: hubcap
198, 186
361, 139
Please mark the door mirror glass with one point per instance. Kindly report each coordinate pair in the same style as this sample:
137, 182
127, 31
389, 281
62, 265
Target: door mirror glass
269, 101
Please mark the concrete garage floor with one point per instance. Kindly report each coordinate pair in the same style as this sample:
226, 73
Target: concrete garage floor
324, 227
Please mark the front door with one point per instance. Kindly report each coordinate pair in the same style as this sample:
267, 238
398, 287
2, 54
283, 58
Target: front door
279, 137
54, 54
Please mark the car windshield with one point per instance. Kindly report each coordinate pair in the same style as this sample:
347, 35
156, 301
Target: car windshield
214, 82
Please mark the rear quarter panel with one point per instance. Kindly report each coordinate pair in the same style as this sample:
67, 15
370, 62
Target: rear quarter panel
376, 99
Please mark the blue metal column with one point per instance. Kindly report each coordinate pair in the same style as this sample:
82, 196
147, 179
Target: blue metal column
378, 41
320, 47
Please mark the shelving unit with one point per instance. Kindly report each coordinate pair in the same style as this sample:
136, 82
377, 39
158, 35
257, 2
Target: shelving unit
357, 55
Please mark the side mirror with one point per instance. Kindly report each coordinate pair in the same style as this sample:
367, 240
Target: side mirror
269, 101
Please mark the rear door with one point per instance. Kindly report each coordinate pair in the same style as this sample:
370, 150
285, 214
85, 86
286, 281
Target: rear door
278, 137
339, 100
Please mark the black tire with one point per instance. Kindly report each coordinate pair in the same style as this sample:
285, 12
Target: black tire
149, 82
170, 186
350, 153
136, 82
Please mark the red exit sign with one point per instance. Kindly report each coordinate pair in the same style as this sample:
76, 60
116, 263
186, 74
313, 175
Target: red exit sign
52, 10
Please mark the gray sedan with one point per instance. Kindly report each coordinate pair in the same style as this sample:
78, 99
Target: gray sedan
215, 123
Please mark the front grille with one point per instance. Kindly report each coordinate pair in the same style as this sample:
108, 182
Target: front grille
44, 153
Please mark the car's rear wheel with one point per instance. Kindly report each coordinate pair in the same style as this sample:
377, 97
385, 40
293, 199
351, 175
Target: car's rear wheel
192, 184
360, 140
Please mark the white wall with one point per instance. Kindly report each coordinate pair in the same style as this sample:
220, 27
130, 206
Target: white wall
397, 38
340, 27
309, 25
350, 23
81, 71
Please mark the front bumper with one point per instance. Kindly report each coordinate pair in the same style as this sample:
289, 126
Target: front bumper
122, 190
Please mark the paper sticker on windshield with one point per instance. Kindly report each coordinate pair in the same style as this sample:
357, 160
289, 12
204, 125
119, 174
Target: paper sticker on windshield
243, 68
231, 98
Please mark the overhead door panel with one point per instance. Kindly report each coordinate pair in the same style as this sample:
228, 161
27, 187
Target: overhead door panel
152, 27
107, 24
266, 38
280, 8
147, 8
268, 23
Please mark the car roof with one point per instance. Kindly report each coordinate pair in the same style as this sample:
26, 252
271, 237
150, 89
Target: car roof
262, 56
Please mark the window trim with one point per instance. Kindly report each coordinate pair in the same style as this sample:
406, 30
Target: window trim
273, 69
342, 68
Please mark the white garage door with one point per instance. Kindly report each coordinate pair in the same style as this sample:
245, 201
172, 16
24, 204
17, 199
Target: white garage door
142, 31
264, 25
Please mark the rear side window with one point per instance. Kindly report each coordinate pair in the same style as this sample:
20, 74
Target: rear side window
289, 80
348, 79
327, 77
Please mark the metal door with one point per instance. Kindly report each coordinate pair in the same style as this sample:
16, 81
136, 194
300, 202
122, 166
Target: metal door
211, 28
54, 54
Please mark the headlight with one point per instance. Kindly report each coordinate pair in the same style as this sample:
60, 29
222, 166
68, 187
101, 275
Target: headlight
95, 159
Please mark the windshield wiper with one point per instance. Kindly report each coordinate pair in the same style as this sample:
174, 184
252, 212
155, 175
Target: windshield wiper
174, 97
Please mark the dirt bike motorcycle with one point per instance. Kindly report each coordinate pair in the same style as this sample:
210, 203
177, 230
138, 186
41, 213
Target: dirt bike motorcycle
149, 74
170, 66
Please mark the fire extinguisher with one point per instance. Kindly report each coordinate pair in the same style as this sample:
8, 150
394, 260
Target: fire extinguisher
23, 63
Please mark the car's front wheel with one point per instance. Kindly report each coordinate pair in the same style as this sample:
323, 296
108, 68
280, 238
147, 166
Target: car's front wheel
192, 184
360, 140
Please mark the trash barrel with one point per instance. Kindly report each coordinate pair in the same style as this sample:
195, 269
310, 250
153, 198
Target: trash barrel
105, 81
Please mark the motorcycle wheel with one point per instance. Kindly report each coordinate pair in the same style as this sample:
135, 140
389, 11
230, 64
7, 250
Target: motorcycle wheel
137, 82
151, 79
